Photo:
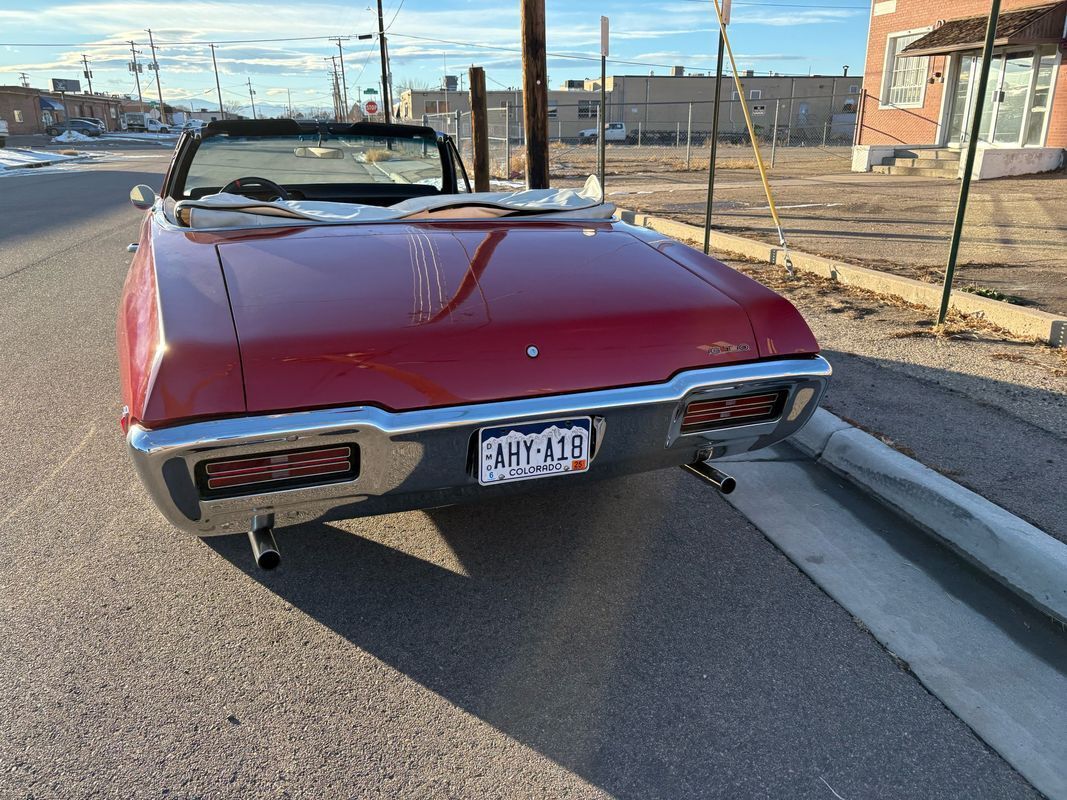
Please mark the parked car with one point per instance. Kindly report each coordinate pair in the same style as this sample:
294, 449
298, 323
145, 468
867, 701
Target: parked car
399, 344
3, 133
613, 132
76, 125
95, 121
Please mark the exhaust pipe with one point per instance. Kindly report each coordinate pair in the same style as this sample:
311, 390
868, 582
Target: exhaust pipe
264, 548
720, 480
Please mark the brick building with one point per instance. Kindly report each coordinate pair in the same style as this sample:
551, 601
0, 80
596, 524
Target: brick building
29, 111
921, 77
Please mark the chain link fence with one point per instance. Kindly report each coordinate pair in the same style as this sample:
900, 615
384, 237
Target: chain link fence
665, 136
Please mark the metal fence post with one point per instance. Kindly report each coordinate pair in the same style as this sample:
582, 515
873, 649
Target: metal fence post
507, 140
599, 147
677, 134
639, 132
459, 132
825, 131
689, 137
774, 136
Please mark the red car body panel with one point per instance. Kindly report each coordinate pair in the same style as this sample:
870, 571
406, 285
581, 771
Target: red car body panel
177, 346
410, 316
417, 315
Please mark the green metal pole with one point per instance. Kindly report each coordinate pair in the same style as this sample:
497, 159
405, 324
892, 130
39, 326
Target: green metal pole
714, 143
968, 167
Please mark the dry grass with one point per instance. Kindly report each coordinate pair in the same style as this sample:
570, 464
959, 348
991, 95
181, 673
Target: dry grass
69, 152
374, 156
517, 166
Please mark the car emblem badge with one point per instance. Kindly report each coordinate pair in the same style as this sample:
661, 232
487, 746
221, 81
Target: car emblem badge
532, 351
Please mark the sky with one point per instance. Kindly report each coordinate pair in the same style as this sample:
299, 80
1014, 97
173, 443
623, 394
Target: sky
426, 38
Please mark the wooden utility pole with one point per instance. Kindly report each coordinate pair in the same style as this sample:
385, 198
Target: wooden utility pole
218, 88
535, 93
479, 129
88, 72
252, 98
155, 69
385, 97
344, 83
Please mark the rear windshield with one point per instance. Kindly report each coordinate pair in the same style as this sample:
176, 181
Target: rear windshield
313, 159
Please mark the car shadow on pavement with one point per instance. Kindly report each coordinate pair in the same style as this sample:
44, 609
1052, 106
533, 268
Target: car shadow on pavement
636, 631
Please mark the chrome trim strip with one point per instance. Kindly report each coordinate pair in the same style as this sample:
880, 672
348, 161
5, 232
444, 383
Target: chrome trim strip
160, 218
683, 384
419, 458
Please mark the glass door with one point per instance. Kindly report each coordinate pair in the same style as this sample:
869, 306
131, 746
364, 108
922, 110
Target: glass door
1040, 99
1012, 98
961, 100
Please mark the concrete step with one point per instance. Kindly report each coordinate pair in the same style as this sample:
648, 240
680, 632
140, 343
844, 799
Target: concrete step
924, 162
889, 169
939, 153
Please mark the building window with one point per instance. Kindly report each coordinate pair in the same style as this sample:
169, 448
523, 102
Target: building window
905, 77
18, 116
587, 109
854, 88
734, 96
553, 110
755, 94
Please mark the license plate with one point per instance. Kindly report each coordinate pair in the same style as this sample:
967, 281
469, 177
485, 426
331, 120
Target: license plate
533, 450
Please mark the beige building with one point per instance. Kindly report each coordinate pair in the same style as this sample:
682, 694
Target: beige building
661, 103
569, 111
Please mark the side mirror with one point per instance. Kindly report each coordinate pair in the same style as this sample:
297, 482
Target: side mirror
142, 197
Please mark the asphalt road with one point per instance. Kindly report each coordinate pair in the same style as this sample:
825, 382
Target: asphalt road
636, 639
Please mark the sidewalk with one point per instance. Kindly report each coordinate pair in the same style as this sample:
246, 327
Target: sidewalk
987, 411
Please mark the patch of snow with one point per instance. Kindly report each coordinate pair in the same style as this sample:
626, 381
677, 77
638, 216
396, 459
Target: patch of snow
71, 136
11, 158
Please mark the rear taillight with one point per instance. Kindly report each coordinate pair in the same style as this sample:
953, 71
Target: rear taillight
724, 412
276, 471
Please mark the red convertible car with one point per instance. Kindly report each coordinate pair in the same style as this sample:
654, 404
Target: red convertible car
323, 321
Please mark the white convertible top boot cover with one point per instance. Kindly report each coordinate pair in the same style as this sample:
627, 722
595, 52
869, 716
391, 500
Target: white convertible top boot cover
237, 211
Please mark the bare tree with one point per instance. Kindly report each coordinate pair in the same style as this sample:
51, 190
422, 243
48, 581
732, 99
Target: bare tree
416, 85
233, 107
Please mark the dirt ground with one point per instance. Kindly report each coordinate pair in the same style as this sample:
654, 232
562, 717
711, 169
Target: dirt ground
979, 405
1013, 242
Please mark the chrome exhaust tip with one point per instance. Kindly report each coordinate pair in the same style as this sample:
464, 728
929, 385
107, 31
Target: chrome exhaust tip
264, 548
720, 480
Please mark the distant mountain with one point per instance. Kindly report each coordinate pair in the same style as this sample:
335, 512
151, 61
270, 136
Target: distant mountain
201, 104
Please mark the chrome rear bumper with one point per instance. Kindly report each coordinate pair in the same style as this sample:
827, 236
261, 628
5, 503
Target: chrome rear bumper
421, 459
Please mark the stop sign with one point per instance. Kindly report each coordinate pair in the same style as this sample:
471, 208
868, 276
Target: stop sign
372, 107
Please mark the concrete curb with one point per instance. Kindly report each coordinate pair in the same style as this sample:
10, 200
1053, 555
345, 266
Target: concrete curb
1018, 320
1022, 557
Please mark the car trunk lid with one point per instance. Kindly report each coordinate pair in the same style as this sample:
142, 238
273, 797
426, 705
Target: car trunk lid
414, 316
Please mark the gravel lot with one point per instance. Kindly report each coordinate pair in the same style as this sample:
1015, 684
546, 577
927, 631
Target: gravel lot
1013, 240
